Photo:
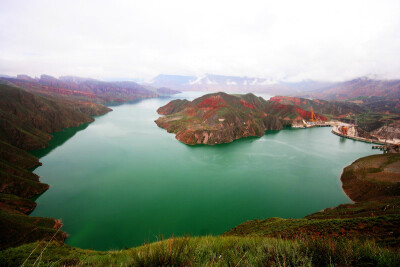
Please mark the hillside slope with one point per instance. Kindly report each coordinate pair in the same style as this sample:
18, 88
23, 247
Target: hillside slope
360, 87
211, 251
26, 122
86, 89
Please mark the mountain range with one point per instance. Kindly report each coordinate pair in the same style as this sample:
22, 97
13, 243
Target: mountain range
347, 90
86, 89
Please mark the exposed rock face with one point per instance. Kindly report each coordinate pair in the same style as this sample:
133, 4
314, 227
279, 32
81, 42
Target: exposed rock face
364, 134
217, 118
391, 131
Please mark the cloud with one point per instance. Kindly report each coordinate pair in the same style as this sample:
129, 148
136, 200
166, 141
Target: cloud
292, 40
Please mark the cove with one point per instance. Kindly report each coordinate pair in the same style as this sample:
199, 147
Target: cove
121, 181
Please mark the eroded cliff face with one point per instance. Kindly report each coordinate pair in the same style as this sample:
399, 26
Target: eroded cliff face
224, 132
217, 118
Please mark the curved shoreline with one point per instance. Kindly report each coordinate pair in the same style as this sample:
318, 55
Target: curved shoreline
372, 178
356, 138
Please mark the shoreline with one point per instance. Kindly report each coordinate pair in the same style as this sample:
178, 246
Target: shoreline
371, 178
356, 138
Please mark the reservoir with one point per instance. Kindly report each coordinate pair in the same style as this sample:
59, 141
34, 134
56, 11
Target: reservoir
121, 181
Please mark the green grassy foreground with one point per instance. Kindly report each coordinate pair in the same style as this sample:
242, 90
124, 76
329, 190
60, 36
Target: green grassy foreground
210, 251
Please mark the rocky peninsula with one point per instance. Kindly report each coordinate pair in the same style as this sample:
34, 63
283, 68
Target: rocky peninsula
222, 118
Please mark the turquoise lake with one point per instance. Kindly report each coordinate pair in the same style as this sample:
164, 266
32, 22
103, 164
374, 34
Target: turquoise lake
121, 181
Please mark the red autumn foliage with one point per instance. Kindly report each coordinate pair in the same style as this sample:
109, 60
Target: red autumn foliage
307, 114
246, 104
213, 102
190, 111
281, 99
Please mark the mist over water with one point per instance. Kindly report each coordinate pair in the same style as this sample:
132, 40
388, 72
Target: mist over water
122, 181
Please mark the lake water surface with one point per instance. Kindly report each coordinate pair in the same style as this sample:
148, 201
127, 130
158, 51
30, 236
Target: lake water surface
122, 181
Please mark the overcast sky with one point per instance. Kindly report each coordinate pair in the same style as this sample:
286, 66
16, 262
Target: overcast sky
291, 40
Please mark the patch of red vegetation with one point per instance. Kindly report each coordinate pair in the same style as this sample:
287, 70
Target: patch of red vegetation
208, 114
286, 99
57, 224
212, 102
51, 89
279, 106
307, 114
246, 104
304, 113
190, 111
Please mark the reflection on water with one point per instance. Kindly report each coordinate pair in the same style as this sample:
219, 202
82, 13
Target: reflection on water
59, 138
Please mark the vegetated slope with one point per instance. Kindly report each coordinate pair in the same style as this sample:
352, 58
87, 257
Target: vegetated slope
373, 177
85, 89
370, 113
379, 98
360, 87
14, 174
26, 122
379, 104
333, 109
211, 251
374, 181
221, 118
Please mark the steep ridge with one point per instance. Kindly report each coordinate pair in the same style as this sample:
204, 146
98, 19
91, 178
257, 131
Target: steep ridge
221, 118
360, 87
26, 122
86, 89
327, 108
